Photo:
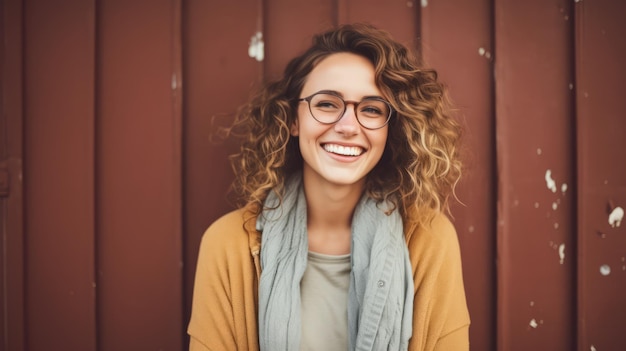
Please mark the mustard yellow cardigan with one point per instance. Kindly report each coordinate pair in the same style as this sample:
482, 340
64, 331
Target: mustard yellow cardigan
224, 309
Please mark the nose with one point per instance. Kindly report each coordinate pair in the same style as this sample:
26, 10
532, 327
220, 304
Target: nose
348, 124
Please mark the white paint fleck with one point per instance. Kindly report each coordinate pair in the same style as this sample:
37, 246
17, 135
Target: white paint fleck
533, 323
256, 50
481, 51
578, 0
471, 229
550, 183
532, 303
561, 253
555, 206
592, 348
616, 216
564, 188
174, 82
605, 270
556, 226
424, 3
536, 205
488, 55
539, 151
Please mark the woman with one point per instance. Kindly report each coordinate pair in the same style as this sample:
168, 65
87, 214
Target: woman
345, 170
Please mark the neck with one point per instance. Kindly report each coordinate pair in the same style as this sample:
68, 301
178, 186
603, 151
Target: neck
329, 215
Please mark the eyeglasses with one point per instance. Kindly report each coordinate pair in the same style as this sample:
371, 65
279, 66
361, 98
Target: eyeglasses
328, 107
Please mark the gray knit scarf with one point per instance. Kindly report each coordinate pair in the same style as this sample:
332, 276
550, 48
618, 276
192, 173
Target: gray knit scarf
380, 296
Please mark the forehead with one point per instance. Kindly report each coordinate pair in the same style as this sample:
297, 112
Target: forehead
349, 74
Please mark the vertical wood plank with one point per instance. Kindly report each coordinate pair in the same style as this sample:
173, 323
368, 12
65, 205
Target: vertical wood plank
219, 76
59, 174
601, 126
400, 18
11, 156
139, 176
289, 26
535, 154
457, 42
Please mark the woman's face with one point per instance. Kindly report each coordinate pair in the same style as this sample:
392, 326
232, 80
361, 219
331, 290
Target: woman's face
342, 153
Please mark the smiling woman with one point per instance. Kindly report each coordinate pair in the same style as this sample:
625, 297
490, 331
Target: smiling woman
345, 170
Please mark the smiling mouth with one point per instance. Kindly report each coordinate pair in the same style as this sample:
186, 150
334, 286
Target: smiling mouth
343, 150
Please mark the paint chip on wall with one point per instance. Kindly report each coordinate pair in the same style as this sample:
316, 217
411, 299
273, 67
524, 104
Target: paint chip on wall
561, 253
616, 216
533, 323
605, 270
550, 183
256, 50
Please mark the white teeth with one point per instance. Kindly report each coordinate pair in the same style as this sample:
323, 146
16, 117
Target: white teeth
343, 150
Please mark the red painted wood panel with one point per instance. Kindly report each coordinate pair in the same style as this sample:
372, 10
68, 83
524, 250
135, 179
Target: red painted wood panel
536, 192
457, 41
218, 77
288, 28
400, 18
59, 191
12, 152
139, 246
601, 131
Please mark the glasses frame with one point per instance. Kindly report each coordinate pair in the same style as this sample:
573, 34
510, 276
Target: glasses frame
345, 108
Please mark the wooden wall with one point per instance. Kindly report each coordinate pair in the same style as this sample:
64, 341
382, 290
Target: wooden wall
108, 174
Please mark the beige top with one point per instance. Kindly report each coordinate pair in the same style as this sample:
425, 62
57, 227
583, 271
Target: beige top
324, 294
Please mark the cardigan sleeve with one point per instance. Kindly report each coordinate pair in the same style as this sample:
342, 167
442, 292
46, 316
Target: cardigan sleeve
223, 306
440, 317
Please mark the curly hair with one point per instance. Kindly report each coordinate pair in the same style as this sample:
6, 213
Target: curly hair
420, 166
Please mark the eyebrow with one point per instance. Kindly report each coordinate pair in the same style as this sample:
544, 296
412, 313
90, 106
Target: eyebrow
341, 95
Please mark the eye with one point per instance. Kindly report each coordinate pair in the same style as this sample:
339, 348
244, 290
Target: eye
326, 103
373, 109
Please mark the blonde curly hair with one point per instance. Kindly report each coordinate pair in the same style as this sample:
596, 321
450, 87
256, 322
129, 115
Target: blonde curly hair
420, 166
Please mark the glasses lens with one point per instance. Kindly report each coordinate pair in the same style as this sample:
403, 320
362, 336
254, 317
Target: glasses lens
373, 113
326, 108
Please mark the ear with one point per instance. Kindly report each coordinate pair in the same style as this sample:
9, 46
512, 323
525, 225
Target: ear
294, 129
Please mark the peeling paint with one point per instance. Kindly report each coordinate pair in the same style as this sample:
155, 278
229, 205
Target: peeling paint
564, 188
555, 206
556, 226
616, 216
257, 47
533, 323
605, 270
561, 253
536, 205
424, 3
539, 151
593, 348
550, 183
532, 303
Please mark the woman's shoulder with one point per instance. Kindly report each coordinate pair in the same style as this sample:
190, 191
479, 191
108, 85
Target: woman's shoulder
437, 229
229, 231
435, 241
